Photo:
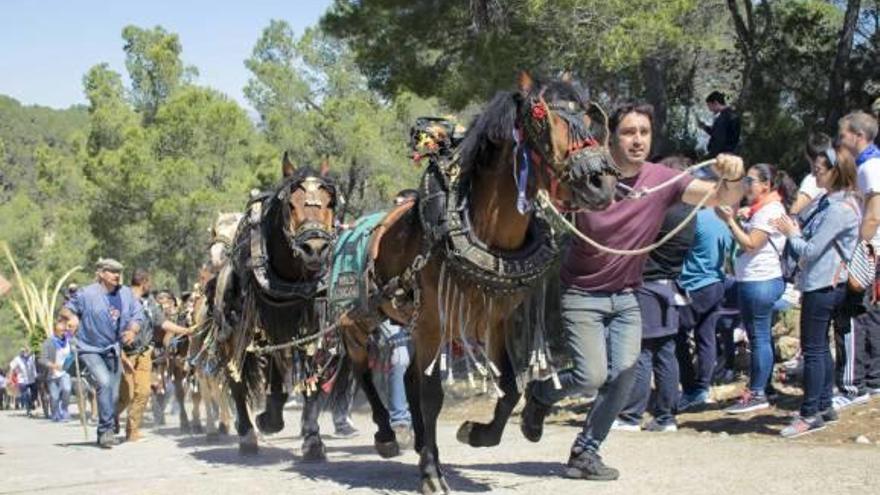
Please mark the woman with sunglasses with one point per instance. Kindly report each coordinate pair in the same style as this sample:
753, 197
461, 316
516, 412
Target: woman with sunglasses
830, 229
759, 271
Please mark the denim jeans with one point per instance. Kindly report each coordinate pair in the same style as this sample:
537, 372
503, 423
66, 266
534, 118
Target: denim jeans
657, 358
59, 391
603, 333
106, 371
398, 408
26, 396
756, 309
817, 310
700, 317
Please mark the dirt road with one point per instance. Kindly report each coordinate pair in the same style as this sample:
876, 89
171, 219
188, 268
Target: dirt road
39, 456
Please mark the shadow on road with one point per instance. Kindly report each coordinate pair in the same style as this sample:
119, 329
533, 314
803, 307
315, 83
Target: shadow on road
381, 475
533, 469
229, 456
738, 425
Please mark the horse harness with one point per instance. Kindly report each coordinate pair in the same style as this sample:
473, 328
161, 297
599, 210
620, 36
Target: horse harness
274, 290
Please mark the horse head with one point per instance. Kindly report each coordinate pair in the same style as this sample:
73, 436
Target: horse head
555, 120
308, 204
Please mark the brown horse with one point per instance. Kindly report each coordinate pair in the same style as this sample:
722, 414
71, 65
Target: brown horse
279, 257
457, 265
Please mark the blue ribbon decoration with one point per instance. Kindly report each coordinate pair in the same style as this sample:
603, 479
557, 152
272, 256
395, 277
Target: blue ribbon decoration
521, 166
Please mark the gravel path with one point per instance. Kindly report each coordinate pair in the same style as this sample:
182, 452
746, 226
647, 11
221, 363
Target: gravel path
39, 456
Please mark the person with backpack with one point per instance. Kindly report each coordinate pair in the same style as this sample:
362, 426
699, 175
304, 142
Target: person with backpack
820, 248
759, 271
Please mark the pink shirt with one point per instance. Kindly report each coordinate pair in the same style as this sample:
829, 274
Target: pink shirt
626, 224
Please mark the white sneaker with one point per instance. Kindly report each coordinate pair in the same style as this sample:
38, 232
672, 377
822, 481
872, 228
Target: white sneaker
657, 427
843, 401
621, 425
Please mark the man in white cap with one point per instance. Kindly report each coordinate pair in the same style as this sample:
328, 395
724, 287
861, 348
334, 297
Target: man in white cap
106, 314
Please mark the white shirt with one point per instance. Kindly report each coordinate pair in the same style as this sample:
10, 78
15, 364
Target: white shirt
27, 369
60, 357
762, 264
869, 182
809, 187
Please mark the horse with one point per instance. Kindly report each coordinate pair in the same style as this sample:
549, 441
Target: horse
269, 290
456, 264
217, 408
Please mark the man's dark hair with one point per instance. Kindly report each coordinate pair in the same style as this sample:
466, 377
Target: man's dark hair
627, 108
407, 194
816, 144
717, 97
139, 277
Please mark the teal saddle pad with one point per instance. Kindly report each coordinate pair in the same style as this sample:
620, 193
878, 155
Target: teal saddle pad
348, 286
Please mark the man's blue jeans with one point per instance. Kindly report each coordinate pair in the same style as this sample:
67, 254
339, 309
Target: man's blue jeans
603, 332
756, 309
106, 371
59, 391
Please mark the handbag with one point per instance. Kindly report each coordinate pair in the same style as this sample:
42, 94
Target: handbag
862, 268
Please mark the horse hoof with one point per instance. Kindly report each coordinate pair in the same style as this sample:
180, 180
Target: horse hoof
432, 485
464, 432
266, 425
314, 451
248, 443
223, 429
248, 448
387, 450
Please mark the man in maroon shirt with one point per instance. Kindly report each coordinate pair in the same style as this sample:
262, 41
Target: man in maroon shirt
600, 314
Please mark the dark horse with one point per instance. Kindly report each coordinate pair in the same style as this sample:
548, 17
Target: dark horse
280, 255
458, 264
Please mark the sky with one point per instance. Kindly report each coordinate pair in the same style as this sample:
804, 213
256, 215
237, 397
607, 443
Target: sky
48, 45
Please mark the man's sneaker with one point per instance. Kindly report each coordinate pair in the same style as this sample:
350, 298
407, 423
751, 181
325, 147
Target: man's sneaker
532, 417
749, 402
623, 425
694, 400
588, 465
801, 426
106, 440
844, 401
829, 416
655, 426
346, 431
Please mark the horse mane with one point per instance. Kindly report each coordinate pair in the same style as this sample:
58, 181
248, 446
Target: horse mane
495, 125
491, 129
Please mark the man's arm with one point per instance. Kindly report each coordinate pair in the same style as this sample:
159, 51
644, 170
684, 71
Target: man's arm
729, 193
174, 328
871, 220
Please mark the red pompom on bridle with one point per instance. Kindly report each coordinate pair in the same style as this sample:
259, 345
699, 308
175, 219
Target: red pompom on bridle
539, 111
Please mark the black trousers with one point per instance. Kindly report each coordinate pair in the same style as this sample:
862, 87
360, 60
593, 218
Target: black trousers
657, 357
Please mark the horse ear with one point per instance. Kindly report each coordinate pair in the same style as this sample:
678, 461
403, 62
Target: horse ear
525, 82
287, 167
567, 76
325, 167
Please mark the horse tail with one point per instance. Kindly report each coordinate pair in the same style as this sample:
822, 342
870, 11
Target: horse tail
340, 387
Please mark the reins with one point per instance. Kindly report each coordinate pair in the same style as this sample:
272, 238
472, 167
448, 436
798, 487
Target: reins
545, 201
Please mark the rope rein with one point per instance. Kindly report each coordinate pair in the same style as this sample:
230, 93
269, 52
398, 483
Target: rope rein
545, 201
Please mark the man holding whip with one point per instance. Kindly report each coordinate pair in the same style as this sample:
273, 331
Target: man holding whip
106, 314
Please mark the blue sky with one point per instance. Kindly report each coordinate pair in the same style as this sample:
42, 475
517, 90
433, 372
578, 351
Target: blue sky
47, 45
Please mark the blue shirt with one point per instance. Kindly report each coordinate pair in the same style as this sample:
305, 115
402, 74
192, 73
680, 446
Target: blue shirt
98, 330
704, 263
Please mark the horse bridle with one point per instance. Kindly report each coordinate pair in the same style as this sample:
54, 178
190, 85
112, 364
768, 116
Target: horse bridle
535, 122
310, 229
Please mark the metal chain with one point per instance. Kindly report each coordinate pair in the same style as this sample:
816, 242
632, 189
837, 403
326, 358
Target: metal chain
260, 350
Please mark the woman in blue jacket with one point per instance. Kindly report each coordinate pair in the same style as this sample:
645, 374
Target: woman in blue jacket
829, 233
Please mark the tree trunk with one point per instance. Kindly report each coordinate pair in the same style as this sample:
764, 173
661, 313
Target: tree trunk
655, 92
837, 79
